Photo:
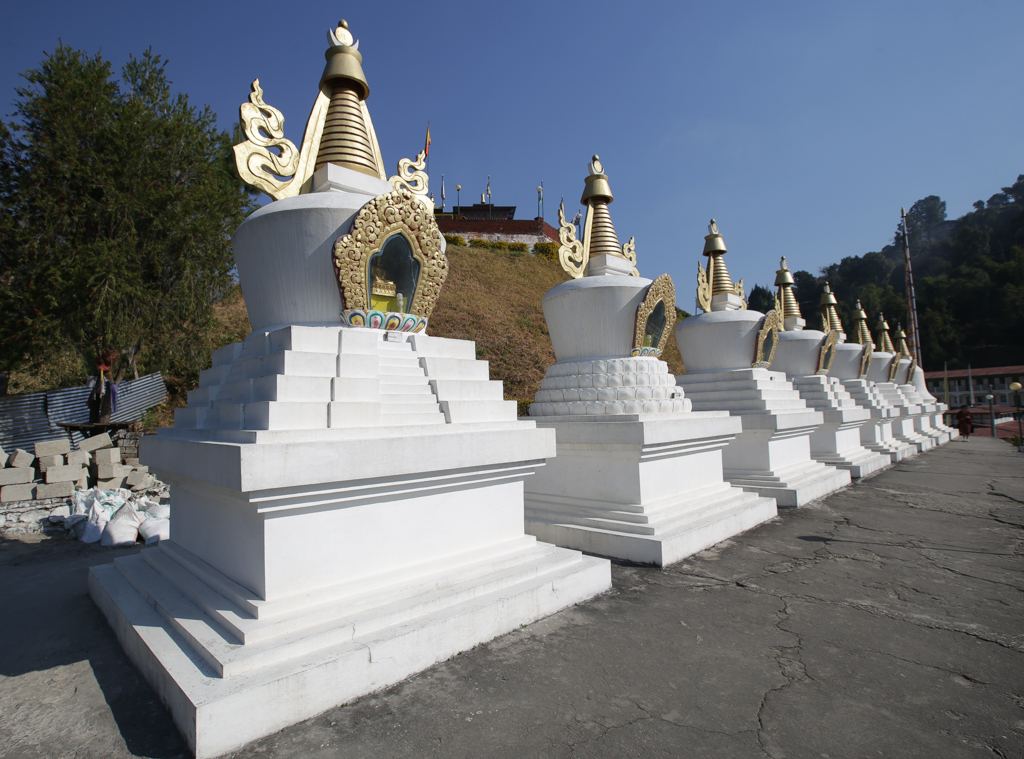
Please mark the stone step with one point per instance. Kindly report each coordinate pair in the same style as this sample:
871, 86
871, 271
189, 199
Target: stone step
406, 388
429, 406
218, 638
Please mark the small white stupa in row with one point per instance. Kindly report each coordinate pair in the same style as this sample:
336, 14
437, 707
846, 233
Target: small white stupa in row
727, 351
638, 475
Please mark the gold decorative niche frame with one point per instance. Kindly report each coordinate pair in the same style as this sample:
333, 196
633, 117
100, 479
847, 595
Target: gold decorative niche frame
894, 369
828, 352
662, 290
770, 329
865, 362
910, 371
401, 213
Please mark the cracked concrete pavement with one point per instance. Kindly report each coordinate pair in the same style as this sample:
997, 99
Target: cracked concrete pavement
882, 621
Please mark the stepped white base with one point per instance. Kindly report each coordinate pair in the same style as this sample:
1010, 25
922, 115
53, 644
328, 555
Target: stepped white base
231, 672
772, 457
836, 441
877, 436
904, 430
772, 454
348, 509
647, 488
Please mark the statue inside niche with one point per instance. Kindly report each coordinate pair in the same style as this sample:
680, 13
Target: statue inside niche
383, 292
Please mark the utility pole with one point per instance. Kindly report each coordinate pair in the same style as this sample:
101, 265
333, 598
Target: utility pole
915, 332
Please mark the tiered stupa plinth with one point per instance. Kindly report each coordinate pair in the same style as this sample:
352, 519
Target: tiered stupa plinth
638, 476
347, 490
928, 421
884, 367
807, 357
727, 354
851, 366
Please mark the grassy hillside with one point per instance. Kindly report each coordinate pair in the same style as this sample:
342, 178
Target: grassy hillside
491, 297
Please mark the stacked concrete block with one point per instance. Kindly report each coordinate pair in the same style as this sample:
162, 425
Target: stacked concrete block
21, 458
54, 471
53, 448
18, 479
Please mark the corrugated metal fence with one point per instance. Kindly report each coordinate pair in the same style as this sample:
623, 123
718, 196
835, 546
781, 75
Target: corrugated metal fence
33, 417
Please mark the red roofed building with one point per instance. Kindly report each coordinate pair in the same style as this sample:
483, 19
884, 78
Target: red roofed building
993, 380
486, 221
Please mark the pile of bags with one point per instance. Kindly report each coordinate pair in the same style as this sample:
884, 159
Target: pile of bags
117, 517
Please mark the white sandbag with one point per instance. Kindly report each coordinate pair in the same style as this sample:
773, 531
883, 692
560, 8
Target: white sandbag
122, 533
123, 527
155, 530
157, 510
92, 532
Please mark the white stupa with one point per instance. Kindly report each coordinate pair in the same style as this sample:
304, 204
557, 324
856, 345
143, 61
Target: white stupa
884, 367
851, 366
806, 356
727, 351
347, 490
638, 475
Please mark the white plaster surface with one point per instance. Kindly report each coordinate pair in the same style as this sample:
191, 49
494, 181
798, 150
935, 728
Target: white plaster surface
593, 317
798, 351
640, 385
877, 435
637, 476
881, 363
718, 341
837, 441
772, 455
846, 364
348, 510
648, 490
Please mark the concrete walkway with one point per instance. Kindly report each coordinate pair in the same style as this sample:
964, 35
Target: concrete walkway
884, 621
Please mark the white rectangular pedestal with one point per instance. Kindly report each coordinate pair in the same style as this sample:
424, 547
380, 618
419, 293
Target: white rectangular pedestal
647, 487
837, 442
772, 457
346, 511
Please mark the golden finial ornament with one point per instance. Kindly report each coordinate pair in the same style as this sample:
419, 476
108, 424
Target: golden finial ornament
784, 281
901, 341
346, 140
861, 333
715, 280
882, 333
829, 315
599, 237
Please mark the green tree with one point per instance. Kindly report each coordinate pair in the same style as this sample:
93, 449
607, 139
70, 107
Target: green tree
115, 217
924, 215
761, 299
807, 292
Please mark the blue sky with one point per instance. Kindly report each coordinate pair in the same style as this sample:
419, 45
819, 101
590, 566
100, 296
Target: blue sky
801, 127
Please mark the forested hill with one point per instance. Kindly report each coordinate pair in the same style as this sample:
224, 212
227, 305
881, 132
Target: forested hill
968, 275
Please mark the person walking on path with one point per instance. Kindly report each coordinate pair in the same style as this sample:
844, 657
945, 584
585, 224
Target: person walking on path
965, 422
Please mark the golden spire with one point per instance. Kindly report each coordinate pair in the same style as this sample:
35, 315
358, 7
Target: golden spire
784, 281
882, 331
599, 238
829, 316
862, 335
716, 280
347, 139
597, 193
714, 249
901, 341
